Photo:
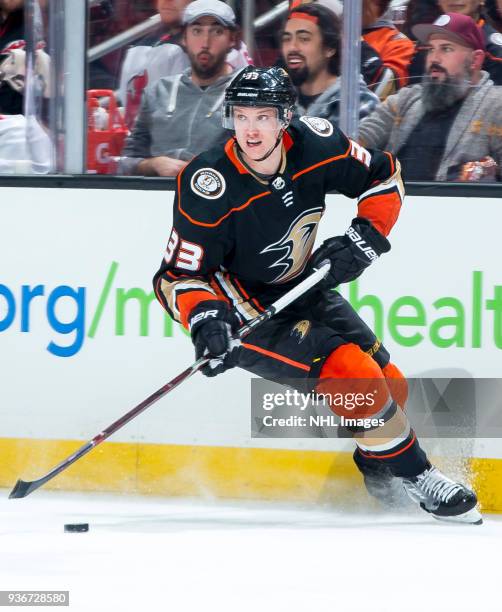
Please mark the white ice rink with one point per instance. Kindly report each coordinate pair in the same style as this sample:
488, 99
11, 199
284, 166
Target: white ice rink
151, 554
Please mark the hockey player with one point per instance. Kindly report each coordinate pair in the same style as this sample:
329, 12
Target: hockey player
245, 221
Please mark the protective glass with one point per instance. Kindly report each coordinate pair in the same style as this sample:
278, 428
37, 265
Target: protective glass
249, 118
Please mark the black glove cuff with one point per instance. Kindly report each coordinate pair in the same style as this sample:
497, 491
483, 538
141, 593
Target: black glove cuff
198, 314
377, 241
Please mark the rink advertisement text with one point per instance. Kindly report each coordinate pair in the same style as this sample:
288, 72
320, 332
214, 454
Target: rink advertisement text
71, 314
437, 408
448, 321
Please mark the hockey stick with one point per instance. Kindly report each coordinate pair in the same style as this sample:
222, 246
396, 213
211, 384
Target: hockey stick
23, 488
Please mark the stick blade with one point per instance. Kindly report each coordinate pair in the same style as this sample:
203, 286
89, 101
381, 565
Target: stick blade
22, 489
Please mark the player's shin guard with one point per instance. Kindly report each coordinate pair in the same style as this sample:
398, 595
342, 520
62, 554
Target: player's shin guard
402, 455
388, 453
383, 452
377, 475
397, 383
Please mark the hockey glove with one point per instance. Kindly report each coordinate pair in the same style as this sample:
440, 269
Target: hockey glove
351, 253
212, 324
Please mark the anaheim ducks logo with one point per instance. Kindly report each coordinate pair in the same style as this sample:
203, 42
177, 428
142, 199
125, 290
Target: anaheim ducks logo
208, 183
296, 245
320, 126
300, 330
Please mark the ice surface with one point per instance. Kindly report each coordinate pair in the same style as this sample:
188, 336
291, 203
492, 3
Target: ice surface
145, 554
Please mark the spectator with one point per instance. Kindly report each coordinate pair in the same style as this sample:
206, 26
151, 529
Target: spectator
334, 5
451, 124
310, 48
493, 10
180, 115
419, 11
161, 54
386, 53
11, 21
25, 147
492, 38
11, 36
144, 61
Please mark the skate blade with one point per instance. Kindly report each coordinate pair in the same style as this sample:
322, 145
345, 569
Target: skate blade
472, 517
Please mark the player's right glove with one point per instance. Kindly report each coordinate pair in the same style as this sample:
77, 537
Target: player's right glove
351, 253
212, 325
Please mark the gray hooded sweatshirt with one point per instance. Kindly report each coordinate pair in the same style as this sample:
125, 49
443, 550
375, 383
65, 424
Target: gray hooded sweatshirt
178, 119
327, 105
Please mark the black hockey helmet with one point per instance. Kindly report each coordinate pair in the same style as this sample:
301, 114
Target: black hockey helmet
260, 87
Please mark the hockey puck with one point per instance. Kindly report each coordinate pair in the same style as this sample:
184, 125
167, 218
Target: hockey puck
76, 527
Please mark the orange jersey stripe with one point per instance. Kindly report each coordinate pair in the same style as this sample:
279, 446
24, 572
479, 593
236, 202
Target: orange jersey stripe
253, 300
258, 349
322, 163
391, 161
222, 218
288, 143
390, 455
229, 150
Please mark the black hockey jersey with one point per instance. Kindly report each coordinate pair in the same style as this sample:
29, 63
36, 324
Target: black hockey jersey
241, 239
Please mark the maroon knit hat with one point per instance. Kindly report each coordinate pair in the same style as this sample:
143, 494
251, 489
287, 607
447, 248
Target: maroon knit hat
453, 26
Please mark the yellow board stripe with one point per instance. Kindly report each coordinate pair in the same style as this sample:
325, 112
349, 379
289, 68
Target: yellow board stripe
227, 472
486, 478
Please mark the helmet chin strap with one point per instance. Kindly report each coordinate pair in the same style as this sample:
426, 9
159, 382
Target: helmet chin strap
270, 151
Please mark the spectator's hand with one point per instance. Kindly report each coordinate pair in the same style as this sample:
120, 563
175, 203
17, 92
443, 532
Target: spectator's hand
483, 170
161, 166
168, 166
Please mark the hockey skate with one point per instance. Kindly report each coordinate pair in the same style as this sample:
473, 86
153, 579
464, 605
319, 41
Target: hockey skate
442, 497
381, 484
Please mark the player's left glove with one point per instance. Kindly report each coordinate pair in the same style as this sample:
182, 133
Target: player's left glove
351, 253
212, 325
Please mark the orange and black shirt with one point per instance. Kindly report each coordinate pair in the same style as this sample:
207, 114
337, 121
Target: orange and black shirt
387, 70
246, 239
